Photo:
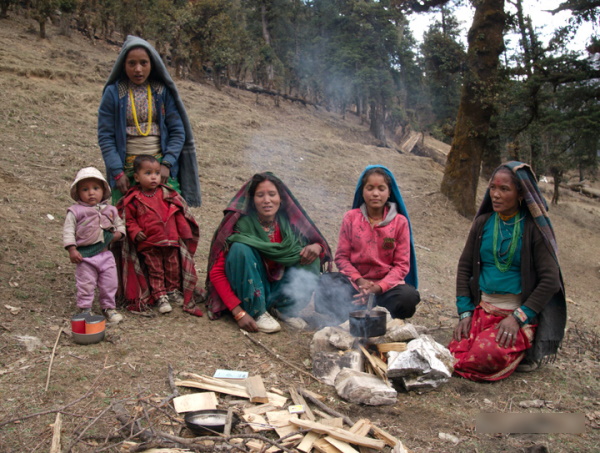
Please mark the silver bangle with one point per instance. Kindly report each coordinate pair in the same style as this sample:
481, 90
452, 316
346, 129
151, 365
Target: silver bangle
465, 314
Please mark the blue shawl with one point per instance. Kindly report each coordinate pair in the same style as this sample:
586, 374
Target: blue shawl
395, 197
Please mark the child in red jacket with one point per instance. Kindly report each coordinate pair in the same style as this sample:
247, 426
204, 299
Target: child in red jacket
156, 222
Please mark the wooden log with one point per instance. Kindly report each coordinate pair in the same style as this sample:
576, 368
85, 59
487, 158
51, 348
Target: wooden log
195, 402
340, 434
256, 389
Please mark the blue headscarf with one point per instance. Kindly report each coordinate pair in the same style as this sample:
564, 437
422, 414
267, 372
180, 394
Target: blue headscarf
395, 197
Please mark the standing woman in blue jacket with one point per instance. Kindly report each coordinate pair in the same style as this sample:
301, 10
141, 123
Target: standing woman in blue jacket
141, 112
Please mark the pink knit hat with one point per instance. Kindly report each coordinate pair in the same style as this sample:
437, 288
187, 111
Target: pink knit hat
89, 173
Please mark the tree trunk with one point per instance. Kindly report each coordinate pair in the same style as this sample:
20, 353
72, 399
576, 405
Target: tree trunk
476, 106
42, 23
377, 127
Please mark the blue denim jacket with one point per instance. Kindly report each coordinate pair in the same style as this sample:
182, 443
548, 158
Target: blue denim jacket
112, 122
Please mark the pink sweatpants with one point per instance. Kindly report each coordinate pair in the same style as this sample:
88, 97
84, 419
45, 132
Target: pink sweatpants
97, 271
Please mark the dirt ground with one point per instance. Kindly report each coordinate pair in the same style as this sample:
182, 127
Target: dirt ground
50, 94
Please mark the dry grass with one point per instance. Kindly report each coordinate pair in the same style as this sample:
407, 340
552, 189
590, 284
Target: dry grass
51, 90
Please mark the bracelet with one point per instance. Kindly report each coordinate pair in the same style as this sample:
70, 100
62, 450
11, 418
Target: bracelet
240, 315
166, 163
520, 316
465, 314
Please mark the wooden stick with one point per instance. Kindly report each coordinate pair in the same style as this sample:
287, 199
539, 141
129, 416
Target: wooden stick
324, 407
228, 421
60, 329
55, 446
270, 351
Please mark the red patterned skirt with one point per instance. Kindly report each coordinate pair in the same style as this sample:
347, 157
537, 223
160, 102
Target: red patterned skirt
479, 357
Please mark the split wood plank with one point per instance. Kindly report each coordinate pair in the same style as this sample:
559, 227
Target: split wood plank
299, 399
341, 446
307, 442
256, 445
257, 422
261, 409
335, 422
378, 365
322, 446
221, 386
195, 402
362, 428
256, 389
340, 434
56, 430
385, 436
387, 347
283, 423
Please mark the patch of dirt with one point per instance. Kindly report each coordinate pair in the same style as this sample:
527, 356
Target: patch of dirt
51, 90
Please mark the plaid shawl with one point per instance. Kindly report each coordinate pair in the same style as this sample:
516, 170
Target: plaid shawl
135, 285
240, 206
552, 319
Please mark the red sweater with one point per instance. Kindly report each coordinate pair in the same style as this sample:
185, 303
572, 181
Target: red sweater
162, 221
380, 254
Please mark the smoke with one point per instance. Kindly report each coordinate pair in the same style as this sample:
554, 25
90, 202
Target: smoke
299, 287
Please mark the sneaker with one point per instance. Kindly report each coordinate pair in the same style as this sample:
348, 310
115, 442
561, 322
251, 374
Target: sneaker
112, 316
163, 305
527, 366
176, 298
267, 324
294, 322
86, 311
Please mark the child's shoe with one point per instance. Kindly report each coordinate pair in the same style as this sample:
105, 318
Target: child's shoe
86, 311
112, 316
176, 298
163, 305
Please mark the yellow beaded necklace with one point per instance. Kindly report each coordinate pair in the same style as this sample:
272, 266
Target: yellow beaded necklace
133, 111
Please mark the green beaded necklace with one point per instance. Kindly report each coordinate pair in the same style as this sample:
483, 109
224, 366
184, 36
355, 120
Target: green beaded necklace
512, 248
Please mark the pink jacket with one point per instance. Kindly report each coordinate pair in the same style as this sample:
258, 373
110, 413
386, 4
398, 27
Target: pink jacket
380, 254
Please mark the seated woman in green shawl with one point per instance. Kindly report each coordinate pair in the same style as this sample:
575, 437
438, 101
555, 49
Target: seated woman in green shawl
258, 253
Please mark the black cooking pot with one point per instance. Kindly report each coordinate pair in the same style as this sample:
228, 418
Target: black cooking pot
207, 422
364, 323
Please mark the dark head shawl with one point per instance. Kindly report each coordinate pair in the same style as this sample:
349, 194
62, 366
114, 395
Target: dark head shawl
188, 164
240, 206
395, 197
552, 319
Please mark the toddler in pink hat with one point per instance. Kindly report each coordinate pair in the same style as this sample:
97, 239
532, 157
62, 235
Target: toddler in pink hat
90, 226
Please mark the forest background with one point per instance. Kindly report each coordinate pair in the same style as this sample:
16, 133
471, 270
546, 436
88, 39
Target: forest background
536, 102
288, 116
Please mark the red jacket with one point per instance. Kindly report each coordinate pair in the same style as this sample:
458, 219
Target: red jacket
161, 218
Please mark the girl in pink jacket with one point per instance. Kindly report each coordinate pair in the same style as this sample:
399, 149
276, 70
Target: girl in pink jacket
375, 253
